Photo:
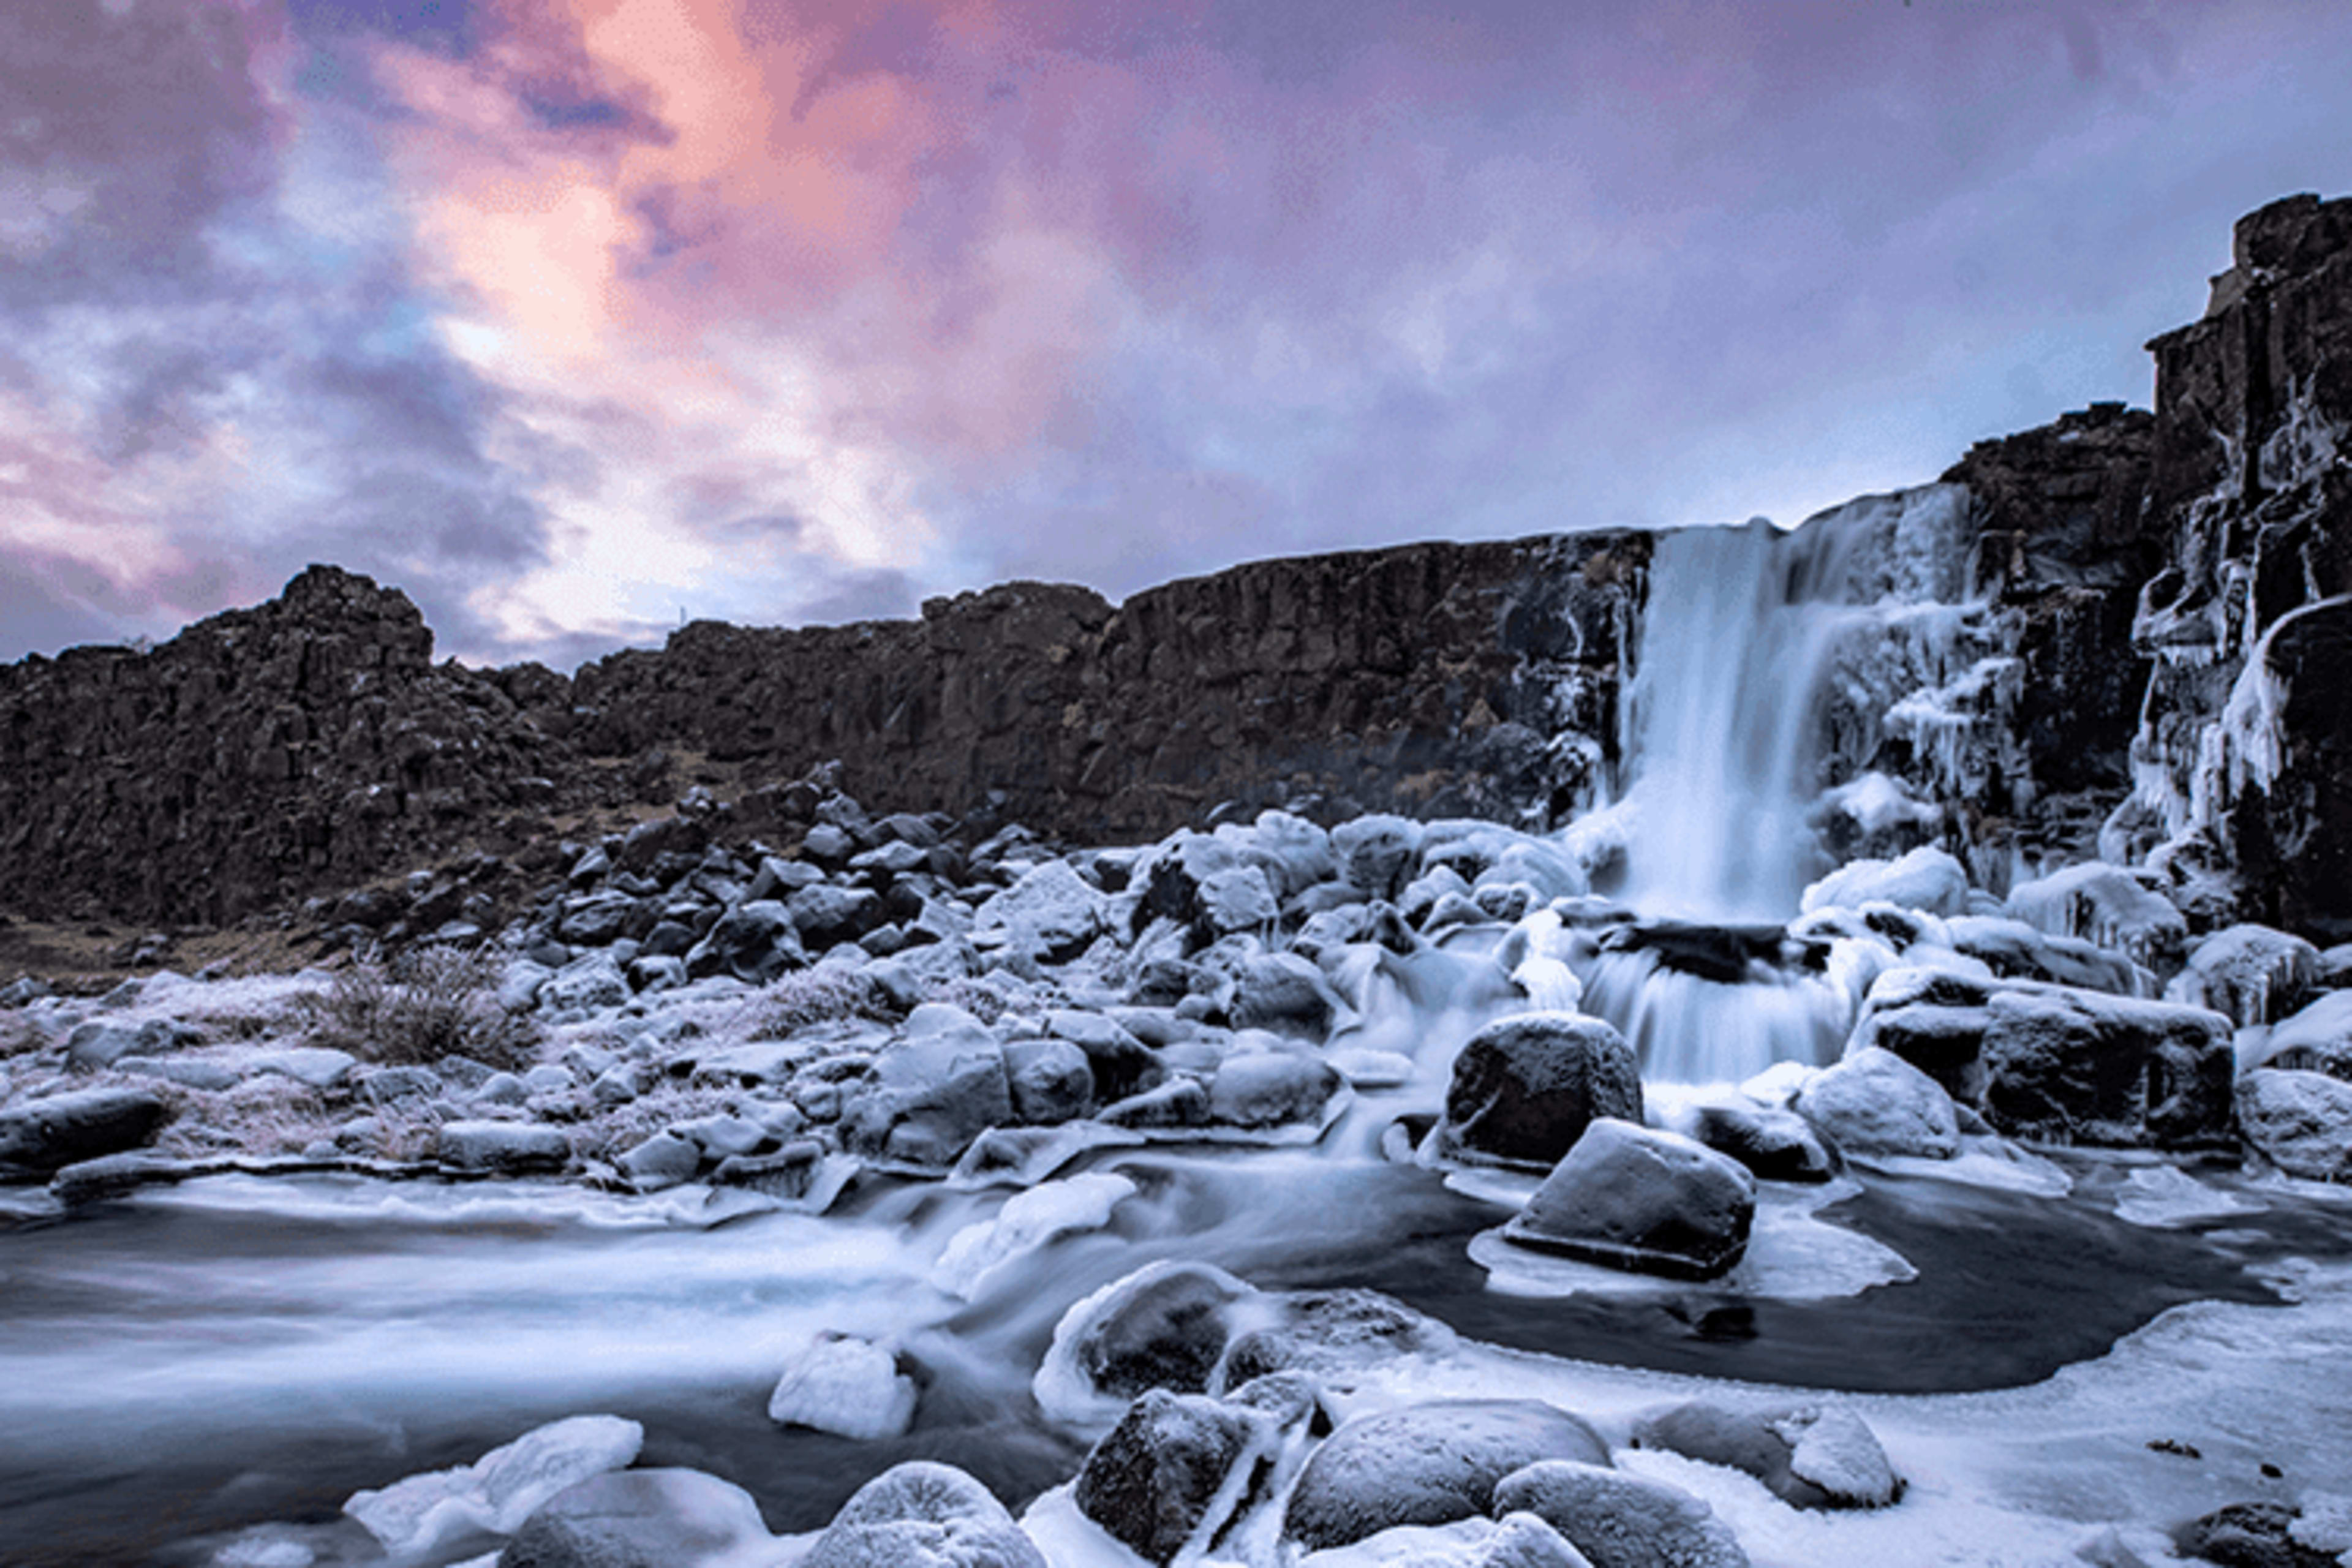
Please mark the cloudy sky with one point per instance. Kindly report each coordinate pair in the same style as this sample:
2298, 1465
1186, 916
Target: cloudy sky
573, 317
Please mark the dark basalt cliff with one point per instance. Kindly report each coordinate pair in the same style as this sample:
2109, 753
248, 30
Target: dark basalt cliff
310, 743
2137, 565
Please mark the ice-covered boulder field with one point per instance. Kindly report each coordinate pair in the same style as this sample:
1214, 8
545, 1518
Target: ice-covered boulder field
1733, 1046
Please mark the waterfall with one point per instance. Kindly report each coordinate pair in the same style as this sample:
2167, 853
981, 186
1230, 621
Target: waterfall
1772, 665
1776, 671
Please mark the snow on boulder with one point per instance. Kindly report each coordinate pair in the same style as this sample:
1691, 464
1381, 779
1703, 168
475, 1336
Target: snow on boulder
921, 1514
1525, 1086
1628, 1196
2317, 1039
1051, 911
1619, 1520
846, 1385
1876, 1104
2302, 1122
1927, 880
1427, 1464
502, 1148
1027, 1222
1164, 1326
1808, 1455
500, 1491
1376, 853
933, 1092
624, 1518
2249, 973
2107, 905
1270, 1089
1172, 1472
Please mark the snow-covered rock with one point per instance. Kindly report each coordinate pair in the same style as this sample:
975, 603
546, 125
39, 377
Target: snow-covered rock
846, 1385
1926, 878
1026, 1223
1874, 1103
923, 1515
1619, 1520
1525, 1086
2302, 1122
1632, 1198
497, 1491
1427, 1464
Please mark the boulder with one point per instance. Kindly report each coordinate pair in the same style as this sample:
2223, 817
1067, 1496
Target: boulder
1810, 1456
2249, 973
502, 1148
1121, 1063
1426, 1464
846, 1385
923, 1515
1776, 1145
1874, 1102
1269, 1089
755, 943
1619, 1520
1050, 912
933, 1092
1525, 1086
825, 915
1164, 1476
1237, 899
1051, 1081
48, 1134
2074, 1067
639, 1519
585, 986
1163, 1326
664, 1160
2251, 1535
1926, 879
1632, 1197
2301, 1121
99, 1043
1332, 1335
2015, 950
1376, 853
1284, 993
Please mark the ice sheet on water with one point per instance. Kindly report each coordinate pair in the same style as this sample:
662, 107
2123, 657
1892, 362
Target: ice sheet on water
1027, 1223
497, 1491
1991, 1163
2163, 1195
2009, 1477
344, 1197
1793, 1256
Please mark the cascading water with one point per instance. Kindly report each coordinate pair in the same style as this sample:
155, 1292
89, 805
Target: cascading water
1773, 666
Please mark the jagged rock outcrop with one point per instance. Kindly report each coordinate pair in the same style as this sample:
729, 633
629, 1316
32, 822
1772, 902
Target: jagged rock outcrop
2242, 758
307, 741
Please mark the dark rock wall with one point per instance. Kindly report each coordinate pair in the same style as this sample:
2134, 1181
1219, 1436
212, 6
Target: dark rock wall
304, 742
2241, 796
1428, 679
310, 743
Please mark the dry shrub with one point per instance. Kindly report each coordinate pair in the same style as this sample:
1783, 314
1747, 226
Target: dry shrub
807, 997
976, 997
431, 1002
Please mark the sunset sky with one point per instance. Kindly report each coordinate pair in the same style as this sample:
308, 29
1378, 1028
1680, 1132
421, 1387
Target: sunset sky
574, 317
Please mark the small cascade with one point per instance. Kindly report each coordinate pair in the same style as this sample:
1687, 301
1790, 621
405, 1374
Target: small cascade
1705, 1005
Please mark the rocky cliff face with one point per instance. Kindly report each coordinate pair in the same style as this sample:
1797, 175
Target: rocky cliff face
310, 743
2243, 755
307, 741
